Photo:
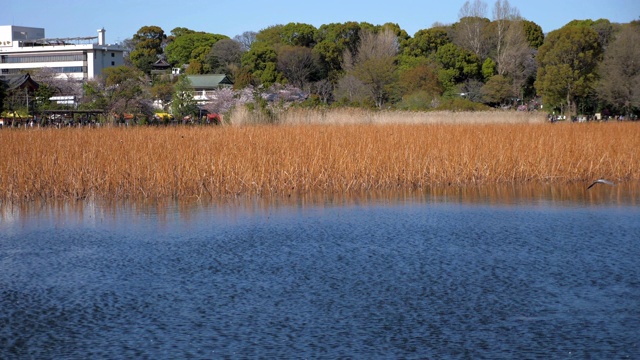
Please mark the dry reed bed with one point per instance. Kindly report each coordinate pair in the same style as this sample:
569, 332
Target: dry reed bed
343, 116
258, 160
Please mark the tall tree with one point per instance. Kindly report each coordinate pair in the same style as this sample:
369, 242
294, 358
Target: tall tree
505, 17
147, 45
191, 46
517, 60
567, 66
374, 62
332, 40
470, 30
297, 64
260, 61
620, 70
457, 65
224, 57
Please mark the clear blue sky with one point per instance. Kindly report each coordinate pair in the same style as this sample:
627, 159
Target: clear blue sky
123, 18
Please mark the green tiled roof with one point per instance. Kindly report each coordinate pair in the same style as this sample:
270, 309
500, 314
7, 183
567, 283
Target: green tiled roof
212, 81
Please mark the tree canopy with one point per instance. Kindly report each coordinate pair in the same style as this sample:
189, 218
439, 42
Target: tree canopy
191, 46
492, 55
566, 65
620, 71
147, 46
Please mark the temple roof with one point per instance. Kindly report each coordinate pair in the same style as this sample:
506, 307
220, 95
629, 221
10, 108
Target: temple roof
206, 82
19, 81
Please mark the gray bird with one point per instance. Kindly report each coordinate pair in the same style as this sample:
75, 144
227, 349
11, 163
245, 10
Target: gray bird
601, 181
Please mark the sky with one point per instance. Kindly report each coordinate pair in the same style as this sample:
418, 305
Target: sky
123, 18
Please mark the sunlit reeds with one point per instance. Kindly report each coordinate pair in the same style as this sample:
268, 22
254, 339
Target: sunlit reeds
214, 162
343, 116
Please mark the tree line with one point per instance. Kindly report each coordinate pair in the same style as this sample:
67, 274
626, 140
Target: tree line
491, 57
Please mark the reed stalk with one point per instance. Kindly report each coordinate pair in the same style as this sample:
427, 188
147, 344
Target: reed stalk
215, 162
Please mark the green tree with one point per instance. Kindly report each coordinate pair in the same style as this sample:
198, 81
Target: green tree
488, 68
457, 65
260, 61
126, 91
496, 91
329, 55
270, 35
43, 94
298, 34
147, 46
533, 33
95, 96
191, 46
423, 78
179, 31
270, 75
602, 27
183, 104
195, 68
567, 66
426, 42
332, 41
162, 90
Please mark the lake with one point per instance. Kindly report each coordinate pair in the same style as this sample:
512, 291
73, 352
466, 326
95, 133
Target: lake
499, 273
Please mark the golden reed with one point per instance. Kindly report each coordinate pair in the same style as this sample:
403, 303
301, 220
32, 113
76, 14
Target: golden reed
146, 162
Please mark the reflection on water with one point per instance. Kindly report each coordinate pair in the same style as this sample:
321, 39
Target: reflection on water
495, 272
625, 194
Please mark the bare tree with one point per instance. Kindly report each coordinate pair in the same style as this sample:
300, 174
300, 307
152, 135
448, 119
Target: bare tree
620, 70
505, 18
516, 59
351, 89
61, 84
297, 64
374, 62
246, 39
225, 57
323, 88
469, 32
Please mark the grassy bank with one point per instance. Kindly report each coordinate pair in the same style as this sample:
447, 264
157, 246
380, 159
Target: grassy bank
258, 160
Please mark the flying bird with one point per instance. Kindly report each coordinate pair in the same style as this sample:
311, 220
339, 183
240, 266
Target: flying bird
601, 181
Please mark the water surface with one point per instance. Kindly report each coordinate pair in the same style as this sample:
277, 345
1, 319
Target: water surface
495, 273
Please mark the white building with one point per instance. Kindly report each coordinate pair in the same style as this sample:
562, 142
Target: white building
24, 48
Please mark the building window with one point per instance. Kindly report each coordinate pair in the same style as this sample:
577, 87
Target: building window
67, 69
113, 54
41, 58
113, 63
